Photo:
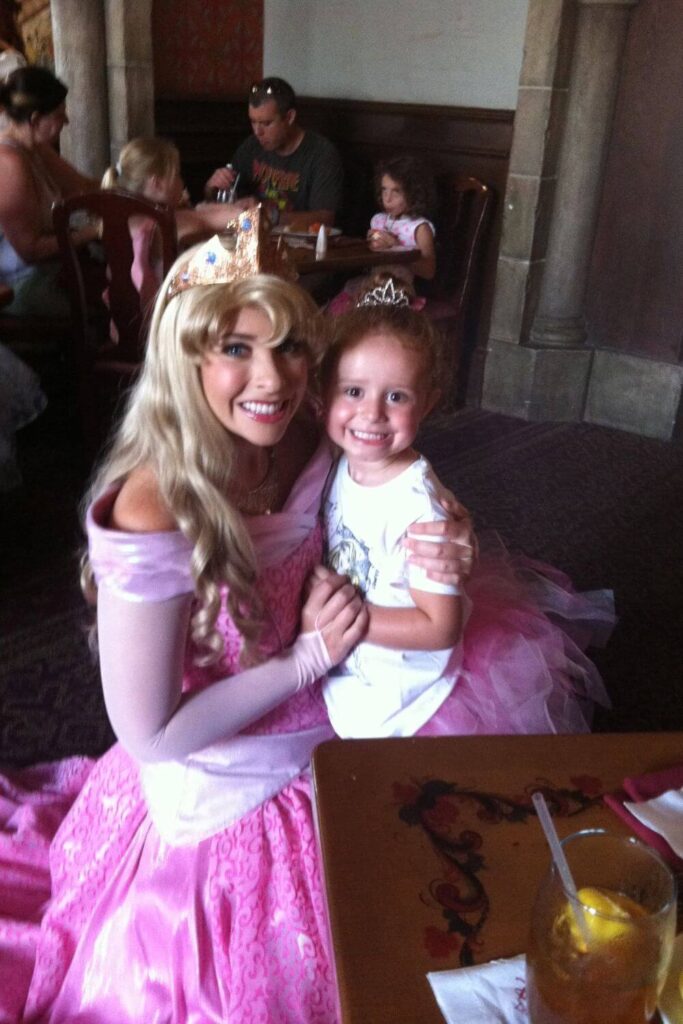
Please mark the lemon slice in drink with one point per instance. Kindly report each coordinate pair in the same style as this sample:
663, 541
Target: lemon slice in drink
608, 916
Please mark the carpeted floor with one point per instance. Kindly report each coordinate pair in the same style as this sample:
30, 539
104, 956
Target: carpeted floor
602, 505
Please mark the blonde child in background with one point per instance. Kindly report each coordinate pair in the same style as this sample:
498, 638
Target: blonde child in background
434, 660
150, 167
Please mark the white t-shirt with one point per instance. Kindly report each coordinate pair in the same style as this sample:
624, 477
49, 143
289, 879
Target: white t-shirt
377, 691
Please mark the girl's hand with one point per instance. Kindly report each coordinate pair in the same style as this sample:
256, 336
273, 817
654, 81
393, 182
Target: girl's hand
336, 610
378, 239
319, 573
450, 559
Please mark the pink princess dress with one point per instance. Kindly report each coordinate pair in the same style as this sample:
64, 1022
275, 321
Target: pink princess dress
177, 892
133, 893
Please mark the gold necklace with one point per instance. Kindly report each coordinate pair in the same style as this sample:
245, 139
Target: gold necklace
259, 500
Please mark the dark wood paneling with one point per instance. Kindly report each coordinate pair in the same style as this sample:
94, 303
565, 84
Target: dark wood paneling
450, 140
205, 131
457, 139
635, 288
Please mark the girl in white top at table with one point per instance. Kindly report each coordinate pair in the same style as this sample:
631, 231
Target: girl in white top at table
404, 191
435, 660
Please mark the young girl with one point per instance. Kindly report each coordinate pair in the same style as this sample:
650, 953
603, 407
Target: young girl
150, 167
423, 665
183, 884
405, 196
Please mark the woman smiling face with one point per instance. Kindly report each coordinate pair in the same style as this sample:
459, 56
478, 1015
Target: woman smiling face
252, 386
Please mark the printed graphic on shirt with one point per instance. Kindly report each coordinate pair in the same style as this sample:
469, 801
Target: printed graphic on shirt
351, 557
275, 183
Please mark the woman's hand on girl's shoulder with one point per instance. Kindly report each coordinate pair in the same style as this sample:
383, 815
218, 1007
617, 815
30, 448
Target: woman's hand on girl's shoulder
139, 507
449, 548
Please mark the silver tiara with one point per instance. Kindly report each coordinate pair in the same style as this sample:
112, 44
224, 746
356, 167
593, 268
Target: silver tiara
385, 295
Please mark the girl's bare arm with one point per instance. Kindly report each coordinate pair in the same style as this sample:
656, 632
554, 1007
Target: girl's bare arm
434, 624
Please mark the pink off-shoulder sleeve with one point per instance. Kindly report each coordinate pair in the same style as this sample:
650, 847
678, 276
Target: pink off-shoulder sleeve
156, 566
137, 566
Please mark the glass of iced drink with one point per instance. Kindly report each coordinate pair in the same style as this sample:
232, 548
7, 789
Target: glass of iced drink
601, 957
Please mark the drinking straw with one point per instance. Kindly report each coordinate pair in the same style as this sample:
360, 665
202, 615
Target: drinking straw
233, 190
560, 860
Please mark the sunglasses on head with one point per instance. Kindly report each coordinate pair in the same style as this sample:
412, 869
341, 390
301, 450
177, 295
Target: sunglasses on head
266, 90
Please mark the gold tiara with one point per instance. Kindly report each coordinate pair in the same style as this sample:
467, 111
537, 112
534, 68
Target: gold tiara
245, 248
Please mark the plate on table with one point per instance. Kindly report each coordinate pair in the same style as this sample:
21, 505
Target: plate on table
671, 999
305, 236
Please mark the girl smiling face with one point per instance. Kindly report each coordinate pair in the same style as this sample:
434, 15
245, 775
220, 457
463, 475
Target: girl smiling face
376, 401
253, 387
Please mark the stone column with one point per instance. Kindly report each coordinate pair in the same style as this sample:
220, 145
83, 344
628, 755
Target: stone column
536, 364
80, 61
600, 39
130, 71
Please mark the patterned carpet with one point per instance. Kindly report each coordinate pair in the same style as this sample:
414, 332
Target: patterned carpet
602, 505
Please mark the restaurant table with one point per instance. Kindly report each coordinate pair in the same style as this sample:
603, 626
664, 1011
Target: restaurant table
432, 851
348, 255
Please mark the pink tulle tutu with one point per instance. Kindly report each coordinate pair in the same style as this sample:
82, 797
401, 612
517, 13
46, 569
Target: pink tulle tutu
524, 667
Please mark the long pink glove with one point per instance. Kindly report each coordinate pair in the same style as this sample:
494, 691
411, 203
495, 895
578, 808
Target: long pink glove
142, 647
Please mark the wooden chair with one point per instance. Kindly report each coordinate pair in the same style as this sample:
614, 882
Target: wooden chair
466, 205
108, 335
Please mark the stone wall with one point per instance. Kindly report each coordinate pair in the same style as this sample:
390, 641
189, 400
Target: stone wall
544, 359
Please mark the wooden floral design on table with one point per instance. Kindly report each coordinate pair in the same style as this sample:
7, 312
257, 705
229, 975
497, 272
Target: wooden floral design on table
459, 893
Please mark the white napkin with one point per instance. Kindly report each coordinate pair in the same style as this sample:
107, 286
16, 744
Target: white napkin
663, 814
492, 993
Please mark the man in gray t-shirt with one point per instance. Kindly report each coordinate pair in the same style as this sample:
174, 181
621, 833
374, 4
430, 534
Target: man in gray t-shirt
292, 170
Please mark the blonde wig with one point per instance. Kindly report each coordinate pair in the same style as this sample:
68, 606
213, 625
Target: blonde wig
169, 427
142, 159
